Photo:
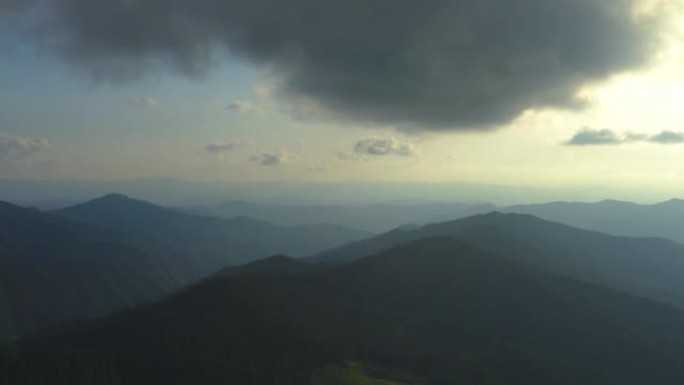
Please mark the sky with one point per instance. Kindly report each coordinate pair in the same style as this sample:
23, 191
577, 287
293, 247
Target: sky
543, 94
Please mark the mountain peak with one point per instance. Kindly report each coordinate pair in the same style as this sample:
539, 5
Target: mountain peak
115, 208
113, 201
615, 202
671, 202
497, 216
277, 264
117, 198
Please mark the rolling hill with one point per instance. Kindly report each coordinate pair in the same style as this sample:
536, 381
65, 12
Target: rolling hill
438, 310
664, 219
116, 252
651, 267
216, 242
369, 217
52, 270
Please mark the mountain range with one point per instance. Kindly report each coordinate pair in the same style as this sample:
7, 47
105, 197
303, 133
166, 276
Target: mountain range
434, 311
227, 241
53, 269
122, 291
371, 217
651, 267
115, 252
664, 219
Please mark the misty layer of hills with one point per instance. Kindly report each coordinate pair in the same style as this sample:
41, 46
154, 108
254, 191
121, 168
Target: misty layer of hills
664, 220
438, 309
371, 218
650, 267
115, 252
496, 298
232, 240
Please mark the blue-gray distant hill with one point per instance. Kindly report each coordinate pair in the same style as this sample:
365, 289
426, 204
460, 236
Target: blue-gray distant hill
115, 252
53, 269
651, 267
370, 217
215, 241
665, 219
437, 311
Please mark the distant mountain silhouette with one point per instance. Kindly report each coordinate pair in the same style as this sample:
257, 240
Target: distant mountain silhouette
115, 252
279, 264
371, 217
52, 269
439, 309
651, 267
665, 219
215, 242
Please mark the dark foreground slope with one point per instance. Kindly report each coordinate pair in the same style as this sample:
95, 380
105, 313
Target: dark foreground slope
650, 267
439, 309
216, 242
53, 269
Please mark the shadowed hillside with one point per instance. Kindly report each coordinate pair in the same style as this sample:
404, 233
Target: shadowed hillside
646, 266
52, 269
437, 309
115, 252
217, 241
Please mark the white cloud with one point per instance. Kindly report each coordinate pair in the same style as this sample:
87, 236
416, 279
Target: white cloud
20, 149
375, 146
590, 137
270, 158
217, 148
344, 156
147, 102
245, 107
318, 168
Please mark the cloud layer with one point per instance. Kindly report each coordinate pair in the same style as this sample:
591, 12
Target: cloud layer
590, 137
245, 107
433, 64
270, 158
20, 149
218, 148
382, 146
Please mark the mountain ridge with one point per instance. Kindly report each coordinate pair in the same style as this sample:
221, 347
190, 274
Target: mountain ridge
663, 219
439, 308
53, 269
644, 266
222, 241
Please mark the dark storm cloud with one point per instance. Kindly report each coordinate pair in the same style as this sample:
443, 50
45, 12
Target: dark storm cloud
430, 64
589, 137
